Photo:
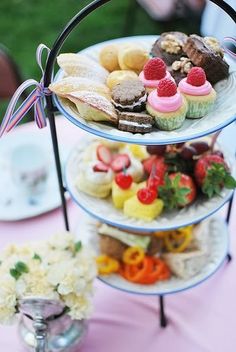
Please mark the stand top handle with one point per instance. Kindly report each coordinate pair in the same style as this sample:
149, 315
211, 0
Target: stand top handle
84, 13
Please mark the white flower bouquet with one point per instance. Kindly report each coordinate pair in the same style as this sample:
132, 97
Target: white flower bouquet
58, 269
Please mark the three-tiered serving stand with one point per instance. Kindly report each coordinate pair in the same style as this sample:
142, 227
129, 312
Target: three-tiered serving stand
51, 101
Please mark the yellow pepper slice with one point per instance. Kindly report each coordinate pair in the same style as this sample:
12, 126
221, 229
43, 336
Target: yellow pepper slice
176, 244
107, 265
133, 255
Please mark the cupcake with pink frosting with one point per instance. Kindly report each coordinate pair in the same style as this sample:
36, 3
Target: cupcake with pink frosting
167, 105
153, 71
198, 92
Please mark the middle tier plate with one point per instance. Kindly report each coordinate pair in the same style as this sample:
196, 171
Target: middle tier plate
103, 209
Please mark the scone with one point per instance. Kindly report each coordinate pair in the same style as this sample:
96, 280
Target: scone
93, 106
132, 57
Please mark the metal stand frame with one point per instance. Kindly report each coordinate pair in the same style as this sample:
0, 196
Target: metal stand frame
51, 109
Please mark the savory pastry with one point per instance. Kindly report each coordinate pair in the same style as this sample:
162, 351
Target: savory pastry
144, 205
95, 179
82, 66
135, 122
75, 84
198, 92
118, 76
207, 53
132, 57
153, 72
180, 68
167, 106
108, 57
169, 46
93, 106
123, 188
129, 95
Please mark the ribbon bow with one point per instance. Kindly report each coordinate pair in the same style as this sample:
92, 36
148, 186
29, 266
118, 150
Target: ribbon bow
232, 41
35, 98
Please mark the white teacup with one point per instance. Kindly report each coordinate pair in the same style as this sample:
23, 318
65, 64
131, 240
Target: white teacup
29, 167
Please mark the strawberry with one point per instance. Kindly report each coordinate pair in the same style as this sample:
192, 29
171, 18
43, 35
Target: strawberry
146, 195
100, 167
196, 76
153, 182
154, 69
212, 174
104, 154
124, 180
120, 162
178, 190
157, 163
166, 88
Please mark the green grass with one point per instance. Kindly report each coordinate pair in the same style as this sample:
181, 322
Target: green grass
26, 23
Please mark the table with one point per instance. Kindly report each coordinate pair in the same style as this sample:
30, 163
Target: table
200, 320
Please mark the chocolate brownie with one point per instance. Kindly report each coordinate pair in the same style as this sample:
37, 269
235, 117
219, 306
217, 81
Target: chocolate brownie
209, 57
169, 46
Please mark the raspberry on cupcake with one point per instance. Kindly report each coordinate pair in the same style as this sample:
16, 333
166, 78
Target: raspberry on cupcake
167, 105
153, 72
198, 92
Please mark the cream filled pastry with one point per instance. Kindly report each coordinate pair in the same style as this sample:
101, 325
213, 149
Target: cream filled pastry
167, 105
95, 179
198, 92
153, 72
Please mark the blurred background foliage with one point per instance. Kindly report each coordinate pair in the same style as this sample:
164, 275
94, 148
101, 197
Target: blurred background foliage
26, 23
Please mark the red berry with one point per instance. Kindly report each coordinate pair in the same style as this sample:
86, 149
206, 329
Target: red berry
204, 164
196, 76
146, 195
123, 180
166, 88
186, 182
100, 167
154, 182
155, 165
120, 162
154, 69
104, 154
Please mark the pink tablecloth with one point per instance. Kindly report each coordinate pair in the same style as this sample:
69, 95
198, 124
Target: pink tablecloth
200, 320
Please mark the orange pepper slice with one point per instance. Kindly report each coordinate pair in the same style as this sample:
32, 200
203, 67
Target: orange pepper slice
133, 255
135, 273
160, 271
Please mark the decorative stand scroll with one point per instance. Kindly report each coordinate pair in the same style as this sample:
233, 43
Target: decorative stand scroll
51, 109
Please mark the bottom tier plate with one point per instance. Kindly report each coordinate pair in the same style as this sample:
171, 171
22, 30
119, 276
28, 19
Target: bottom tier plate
218, 233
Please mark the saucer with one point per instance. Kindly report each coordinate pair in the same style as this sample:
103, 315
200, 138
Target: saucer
14, 204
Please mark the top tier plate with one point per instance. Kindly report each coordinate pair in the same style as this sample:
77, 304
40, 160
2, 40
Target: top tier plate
223, 114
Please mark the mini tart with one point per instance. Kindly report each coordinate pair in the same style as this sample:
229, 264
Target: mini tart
93, 107
129, 95
169, 46
147, 212
96, 184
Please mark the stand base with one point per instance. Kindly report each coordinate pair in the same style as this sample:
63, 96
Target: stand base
229, 257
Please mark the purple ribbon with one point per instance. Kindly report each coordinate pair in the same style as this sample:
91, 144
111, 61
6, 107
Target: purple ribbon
230, 40
35, 99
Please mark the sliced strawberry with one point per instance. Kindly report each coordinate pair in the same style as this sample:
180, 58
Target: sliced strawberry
149, 163
104, 154
120, 162
100, 167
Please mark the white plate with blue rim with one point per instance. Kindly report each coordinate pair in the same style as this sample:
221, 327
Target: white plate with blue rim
217, 232
223, 113
17, 202
104, 210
